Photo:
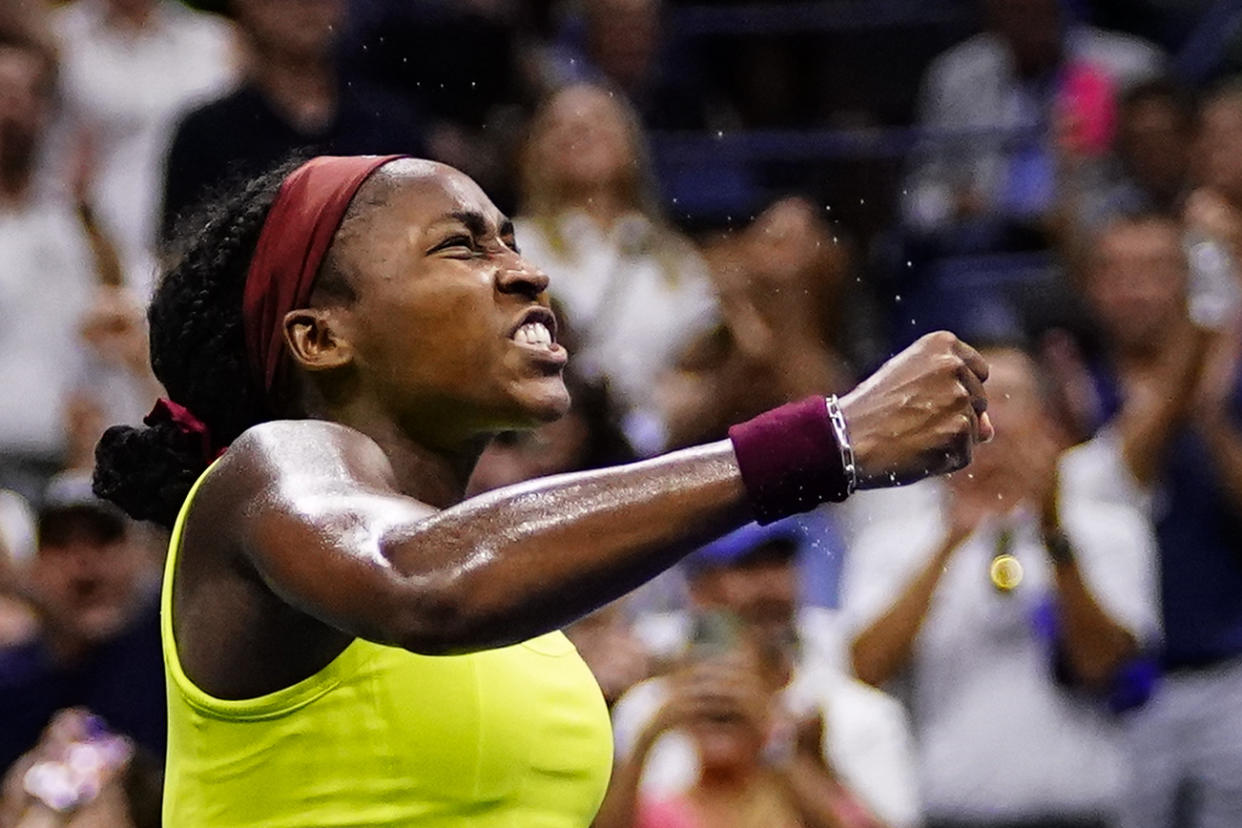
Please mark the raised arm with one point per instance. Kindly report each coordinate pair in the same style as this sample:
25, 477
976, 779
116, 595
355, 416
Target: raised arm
325, 527
883, 648
494, 570
1156, 404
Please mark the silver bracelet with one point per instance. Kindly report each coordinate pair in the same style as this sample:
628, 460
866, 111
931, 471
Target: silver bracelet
848, 464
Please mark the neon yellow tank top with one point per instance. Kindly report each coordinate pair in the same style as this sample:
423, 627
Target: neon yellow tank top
517, 736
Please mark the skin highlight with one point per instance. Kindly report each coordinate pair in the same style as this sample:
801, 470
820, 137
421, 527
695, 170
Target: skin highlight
348, 521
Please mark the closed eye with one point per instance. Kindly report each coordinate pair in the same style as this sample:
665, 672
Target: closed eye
462, 241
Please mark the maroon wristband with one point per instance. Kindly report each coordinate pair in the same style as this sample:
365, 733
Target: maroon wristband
790, 460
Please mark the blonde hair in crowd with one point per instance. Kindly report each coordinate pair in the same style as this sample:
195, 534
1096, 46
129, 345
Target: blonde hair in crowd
544, 200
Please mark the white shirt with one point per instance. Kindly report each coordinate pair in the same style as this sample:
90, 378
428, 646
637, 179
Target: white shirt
634, 308
866, 732
997, 736
126, 90
46, 283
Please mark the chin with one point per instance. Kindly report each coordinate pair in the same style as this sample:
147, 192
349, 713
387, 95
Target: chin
547, 401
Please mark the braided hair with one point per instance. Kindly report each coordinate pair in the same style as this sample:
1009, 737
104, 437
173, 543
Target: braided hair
198, 353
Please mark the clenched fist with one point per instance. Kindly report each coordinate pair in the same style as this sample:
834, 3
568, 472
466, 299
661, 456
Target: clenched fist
921, 414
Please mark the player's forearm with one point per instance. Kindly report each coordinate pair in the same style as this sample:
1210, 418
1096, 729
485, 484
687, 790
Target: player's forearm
883, 648
527, 559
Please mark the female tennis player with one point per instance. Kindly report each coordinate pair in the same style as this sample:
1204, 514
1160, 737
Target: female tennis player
347, 642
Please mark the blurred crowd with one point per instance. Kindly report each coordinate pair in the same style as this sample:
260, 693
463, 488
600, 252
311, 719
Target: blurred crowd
1050, 639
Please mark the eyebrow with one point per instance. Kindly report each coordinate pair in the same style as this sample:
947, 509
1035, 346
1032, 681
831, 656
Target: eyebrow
477, 223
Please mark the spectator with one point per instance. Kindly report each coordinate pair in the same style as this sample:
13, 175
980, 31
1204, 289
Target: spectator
760, 760
116, 383
616, 657
130, 69
781, 283
99, 641
1031, 70
634, 289
463, 64
751, 576
1214, 211
1150, 167
1012, 613
1172, 400
621, 44
80, 775
17, 620
46, 282
292, 99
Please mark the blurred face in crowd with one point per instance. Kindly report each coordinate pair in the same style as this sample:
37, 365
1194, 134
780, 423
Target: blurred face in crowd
1032, 30
624, 39
729, 734
1136, 283
1219, 147
85, 579
763, 592
1153, 142
299, 30
25, 105
793, 253
584, 141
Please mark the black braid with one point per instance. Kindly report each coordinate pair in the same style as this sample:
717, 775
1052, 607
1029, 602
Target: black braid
198, 353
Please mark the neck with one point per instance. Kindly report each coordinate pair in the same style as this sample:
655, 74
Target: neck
302, 90
435, 476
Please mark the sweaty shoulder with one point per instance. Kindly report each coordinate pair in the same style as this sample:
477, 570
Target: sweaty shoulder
274, 461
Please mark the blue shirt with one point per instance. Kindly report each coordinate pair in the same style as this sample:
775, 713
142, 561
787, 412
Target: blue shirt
1199, 534
122, 681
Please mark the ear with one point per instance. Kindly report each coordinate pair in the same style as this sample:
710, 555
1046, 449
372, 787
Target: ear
313, 336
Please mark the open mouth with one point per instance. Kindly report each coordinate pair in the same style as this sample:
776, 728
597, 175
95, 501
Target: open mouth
537, 329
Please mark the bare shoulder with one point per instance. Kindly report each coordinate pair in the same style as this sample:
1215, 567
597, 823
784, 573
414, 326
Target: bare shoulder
275, 462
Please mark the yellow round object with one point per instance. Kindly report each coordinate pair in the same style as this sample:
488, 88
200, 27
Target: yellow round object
1006, 572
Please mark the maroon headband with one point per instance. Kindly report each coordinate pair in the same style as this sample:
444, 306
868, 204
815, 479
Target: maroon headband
292, 245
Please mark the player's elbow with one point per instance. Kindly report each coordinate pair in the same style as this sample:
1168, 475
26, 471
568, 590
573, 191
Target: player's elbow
446, 617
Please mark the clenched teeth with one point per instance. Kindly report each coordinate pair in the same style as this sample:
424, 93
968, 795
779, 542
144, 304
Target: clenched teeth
534, 333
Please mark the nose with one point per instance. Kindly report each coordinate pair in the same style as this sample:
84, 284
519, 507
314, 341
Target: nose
517, 275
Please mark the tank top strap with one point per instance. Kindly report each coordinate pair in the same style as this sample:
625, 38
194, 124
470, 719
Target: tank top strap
271, 705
